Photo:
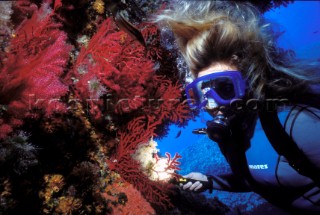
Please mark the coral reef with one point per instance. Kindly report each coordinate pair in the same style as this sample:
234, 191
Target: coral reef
84, 85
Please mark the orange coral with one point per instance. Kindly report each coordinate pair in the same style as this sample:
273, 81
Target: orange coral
68, 204
135, 203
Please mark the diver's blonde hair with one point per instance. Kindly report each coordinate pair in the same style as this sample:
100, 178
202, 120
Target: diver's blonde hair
233, 32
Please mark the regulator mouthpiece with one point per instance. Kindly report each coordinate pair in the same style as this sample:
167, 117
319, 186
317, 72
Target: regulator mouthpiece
218, 129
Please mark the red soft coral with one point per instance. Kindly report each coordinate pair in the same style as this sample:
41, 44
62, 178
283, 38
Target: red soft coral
139, 131
22, 10
31, 76
113, 63
168, 104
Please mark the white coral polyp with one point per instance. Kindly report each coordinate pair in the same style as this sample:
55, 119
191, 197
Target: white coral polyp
156, 168
161, 171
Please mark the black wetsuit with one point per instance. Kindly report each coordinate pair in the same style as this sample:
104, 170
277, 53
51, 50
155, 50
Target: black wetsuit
270, 175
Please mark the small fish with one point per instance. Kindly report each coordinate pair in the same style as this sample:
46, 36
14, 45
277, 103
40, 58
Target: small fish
178, 134
315, 32
130, 29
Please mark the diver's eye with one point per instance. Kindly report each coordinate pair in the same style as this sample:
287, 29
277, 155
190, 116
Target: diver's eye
225, 88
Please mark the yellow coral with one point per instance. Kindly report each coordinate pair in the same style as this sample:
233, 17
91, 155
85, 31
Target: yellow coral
123, 38
98, 6
68, 204
55, 182
7, 189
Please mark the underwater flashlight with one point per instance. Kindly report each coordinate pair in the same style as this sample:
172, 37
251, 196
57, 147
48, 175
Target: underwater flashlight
181, 180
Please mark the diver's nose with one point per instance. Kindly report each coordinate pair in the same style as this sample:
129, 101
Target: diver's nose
211, 104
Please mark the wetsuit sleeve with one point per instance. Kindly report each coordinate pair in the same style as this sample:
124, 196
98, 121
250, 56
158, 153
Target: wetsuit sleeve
303, 125
229, 182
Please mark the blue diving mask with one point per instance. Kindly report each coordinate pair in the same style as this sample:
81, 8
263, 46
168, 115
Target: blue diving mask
215, 89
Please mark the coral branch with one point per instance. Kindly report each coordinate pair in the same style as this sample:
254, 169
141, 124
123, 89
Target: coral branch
116, 65
173, 164
31, 76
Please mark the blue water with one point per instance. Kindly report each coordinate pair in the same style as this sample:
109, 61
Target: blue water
300, 24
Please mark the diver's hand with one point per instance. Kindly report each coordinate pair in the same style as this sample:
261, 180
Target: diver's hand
201, 182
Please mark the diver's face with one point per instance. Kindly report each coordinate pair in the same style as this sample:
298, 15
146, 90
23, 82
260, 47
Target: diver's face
216, 68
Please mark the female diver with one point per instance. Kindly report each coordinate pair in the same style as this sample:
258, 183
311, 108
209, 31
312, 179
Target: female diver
240, 77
